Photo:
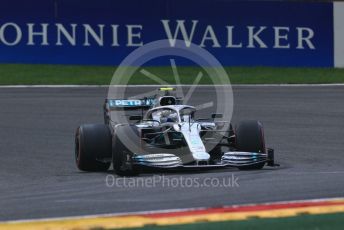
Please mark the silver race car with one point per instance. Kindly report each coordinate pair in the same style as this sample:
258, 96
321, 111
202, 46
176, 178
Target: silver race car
163, 134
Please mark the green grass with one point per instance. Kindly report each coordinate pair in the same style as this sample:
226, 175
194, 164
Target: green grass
15, 74
302, 222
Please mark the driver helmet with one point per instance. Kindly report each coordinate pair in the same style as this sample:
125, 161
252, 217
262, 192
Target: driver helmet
168, 116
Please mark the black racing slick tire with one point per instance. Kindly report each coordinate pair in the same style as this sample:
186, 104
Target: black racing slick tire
121, 152
92, 146
249, 137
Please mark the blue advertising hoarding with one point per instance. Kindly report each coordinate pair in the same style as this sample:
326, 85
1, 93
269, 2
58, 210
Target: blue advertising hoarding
104, 32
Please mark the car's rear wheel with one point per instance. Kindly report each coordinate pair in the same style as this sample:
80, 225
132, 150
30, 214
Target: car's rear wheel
249, 137
125, 135
93, 147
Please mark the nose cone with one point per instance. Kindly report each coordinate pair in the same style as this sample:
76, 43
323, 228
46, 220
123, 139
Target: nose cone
201, 156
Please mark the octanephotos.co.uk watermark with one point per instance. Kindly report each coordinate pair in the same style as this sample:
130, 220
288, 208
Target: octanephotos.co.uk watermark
230, 181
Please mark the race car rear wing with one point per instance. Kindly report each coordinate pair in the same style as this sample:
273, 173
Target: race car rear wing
129, 104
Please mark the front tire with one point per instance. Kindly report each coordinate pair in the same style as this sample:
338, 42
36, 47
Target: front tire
249, 137
92, 145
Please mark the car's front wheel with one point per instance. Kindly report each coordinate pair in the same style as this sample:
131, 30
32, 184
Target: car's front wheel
249, 137
92, 147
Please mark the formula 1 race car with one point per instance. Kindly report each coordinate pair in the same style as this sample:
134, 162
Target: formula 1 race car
165, 135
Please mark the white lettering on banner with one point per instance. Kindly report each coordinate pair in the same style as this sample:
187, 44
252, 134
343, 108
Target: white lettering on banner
307, 38
180, 27
43, 34
254, 36
230, 43
130, 35
114, 35
279, 37
71, 37
99, 38
3, 29
209, 34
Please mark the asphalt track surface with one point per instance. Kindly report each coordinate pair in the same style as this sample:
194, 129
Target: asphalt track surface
38, 177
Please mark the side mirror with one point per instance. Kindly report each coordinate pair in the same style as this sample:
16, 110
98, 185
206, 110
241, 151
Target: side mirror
135, 118
217, 115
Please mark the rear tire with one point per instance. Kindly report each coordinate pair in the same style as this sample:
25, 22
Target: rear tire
249, 137
92, 144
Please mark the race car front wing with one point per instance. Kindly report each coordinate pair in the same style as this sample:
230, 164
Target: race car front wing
229, 159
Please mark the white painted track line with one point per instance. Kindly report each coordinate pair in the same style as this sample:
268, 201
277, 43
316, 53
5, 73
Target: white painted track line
234, 85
